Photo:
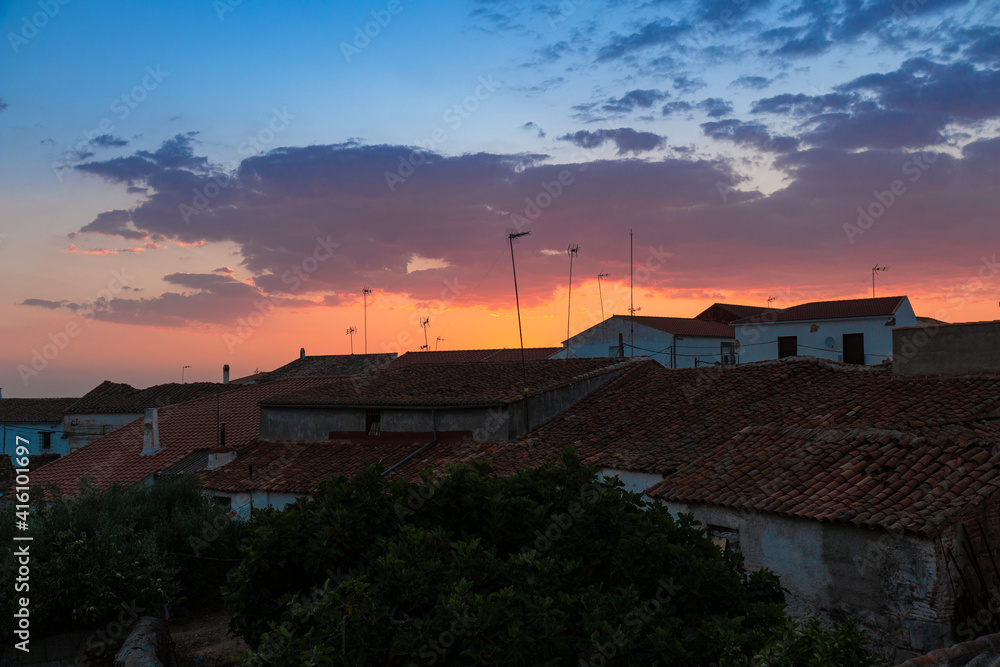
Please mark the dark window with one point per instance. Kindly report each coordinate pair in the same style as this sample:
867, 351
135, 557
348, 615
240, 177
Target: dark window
728, 354
373, 422
727, 539
46, 442
788, 346
224, 503
854, 348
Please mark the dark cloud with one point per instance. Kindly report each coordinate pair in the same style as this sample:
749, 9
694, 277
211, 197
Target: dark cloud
670, 108
108, 141
634, 99
533, 127
751, 135
175, 154
50, 305
626, 139
715, 107
959, 90
876, 128
685, 84
664, 32
752, 82
113, 223
804, 105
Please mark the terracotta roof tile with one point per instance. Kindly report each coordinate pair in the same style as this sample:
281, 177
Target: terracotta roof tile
184, 428
829, 310
117, 398
469, 356
40, 410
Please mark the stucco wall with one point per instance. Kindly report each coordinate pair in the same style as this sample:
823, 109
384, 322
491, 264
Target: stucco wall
502, 422
84, 429
759, 342
32, 433
954, 348
601, 340
241, 501
890, 582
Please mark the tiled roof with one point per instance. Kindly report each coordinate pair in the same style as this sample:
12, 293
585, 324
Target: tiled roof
683, 326
982, 652
293, 467
117, 398
884, 306
184, 429
469, 356
330, 365
480, 383
40, 410
727, 312
696, 426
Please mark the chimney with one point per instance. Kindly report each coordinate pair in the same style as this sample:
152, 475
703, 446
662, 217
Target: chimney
1, 392
151, 432
225, 374
302, 353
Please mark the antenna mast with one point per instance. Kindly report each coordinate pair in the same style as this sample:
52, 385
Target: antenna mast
520, 333
364, 293
350, 332
572, 250
631, 297
876, 269
600, 293
426, 322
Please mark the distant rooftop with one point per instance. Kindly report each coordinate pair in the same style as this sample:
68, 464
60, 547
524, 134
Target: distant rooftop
469, 356
884, 306
455, 383
330, 365
118, 398
37, 410
683, 326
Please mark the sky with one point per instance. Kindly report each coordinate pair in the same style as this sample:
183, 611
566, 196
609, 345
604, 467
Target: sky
190, 184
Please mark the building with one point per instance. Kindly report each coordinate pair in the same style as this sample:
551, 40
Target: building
854, 331
870, 494
111, 405
492, 400
36, 423
469, 356
675, 342
328, 365
936, 348
186, 436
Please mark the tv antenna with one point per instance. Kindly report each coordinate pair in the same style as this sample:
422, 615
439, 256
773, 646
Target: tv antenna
426, 322
770, 299
182, 372
364, 295
634, 309
439, 339
572, 250
520, 333
350, 332
876, 269
600, 293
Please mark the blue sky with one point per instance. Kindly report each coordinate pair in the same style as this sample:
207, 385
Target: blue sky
755, 141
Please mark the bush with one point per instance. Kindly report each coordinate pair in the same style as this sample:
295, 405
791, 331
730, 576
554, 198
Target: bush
101, 552
550, 566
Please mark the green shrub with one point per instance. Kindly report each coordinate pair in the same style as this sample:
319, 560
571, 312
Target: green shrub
550, 566
99, 552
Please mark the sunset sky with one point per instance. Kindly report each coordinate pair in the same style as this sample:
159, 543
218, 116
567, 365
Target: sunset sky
198, 183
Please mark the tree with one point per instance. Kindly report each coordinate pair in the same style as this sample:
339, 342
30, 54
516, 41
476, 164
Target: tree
549, 566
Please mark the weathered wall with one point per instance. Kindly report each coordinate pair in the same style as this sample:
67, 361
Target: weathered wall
503, 423
759, 342
892, 583
952, 348
601, 340
32, 433
84, 429
240, 501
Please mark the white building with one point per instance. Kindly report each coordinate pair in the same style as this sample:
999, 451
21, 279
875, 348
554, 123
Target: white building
855, 331
675, 342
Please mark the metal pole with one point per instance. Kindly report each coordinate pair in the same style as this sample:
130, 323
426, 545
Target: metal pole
631, 299
520, 332
600, 293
